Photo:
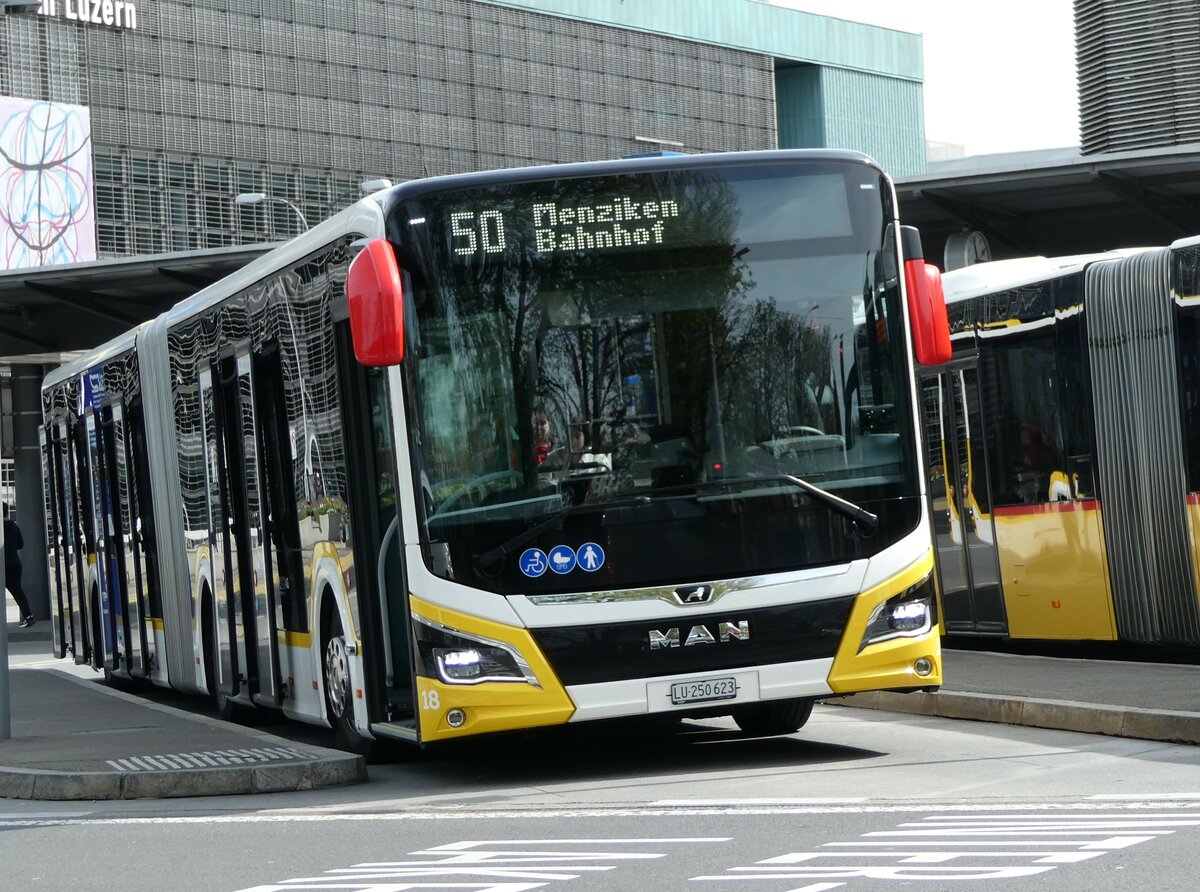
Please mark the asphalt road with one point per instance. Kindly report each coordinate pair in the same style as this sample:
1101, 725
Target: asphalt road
857, 800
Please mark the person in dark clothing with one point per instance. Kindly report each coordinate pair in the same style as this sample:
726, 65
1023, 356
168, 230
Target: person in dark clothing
13, 543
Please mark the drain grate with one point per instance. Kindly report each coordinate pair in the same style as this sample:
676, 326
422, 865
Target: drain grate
209, 759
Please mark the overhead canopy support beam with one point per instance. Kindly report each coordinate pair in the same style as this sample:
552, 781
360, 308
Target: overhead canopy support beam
185, 278
87, 301
971, 216
28, 339
1179, 215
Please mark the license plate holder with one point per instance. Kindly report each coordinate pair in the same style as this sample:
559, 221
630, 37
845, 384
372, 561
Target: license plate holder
705, 690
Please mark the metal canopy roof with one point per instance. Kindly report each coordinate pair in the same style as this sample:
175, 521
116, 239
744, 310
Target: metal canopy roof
1057, 202
77, 306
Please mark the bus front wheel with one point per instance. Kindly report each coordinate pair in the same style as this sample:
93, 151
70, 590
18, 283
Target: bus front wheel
773, 717
339, 693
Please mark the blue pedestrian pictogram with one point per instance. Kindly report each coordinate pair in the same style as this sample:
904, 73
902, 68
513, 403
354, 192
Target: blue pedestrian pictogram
533, 562
562, 559
590, 557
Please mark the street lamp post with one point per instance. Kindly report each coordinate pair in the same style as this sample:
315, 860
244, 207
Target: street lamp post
261, 197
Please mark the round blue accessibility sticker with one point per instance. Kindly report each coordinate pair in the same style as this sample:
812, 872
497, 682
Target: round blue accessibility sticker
533, 562
562, 559
590, 557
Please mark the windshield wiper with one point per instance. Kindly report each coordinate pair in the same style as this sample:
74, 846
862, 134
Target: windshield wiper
492, 557
860, 516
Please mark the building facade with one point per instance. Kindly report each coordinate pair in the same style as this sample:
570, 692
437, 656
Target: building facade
142, 120
1139, 80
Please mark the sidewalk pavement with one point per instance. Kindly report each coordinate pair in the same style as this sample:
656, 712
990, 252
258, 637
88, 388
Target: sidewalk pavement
1147, 701
74, 738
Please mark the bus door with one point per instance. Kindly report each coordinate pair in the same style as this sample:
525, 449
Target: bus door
138, 583
376, 536
58, 574
87, 609
240, 434
125, 590
142, 531
107, 587
961, 505
283, 556
62, 467
229, 657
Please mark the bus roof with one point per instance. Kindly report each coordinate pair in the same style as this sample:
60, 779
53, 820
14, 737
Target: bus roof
1003, 275
364, 215
367, 215
612, 166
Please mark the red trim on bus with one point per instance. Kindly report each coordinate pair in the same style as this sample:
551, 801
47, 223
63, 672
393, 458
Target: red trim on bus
1193, 498
1047, 508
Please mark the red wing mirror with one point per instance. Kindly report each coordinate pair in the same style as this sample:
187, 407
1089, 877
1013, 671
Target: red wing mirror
376, 302
926, 302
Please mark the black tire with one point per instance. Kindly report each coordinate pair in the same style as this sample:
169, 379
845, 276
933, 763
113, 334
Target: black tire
339, 693
773, 717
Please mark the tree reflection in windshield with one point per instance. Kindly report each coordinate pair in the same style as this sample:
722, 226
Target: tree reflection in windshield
584, 339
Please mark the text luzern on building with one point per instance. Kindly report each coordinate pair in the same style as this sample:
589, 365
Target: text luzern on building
114, 13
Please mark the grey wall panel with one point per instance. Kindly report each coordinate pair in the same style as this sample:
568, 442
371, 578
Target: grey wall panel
431, 87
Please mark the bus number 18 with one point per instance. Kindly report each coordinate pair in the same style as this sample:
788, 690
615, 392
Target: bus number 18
477, 232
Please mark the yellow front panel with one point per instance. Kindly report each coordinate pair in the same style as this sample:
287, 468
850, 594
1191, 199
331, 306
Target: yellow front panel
1054, 572
888, 664
490, 706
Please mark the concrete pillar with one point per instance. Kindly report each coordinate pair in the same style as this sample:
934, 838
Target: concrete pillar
26, 416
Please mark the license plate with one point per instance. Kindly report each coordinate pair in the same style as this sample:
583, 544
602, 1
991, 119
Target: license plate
701, 691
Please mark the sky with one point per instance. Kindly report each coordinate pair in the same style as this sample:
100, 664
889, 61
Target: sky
999, 77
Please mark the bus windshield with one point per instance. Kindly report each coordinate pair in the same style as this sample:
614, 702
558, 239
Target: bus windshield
592, 358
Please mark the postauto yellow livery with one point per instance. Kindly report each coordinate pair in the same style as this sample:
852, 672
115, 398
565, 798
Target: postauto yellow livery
1063, 444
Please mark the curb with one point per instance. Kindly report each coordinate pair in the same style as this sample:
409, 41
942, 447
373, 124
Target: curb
30, 783
323, 768
1061, 715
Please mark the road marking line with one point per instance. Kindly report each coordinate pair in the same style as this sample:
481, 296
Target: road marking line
670, 803
988, 832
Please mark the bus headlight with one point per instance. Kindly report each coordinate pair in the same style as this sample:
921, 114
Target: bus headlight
458, 657
909, 614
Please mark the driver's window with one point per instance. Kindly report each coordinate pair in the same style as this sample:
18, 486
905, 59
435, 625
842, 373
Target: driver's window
469, 428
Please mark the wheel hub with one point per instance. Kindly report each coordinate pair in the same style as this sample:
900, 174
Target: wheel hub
337, 675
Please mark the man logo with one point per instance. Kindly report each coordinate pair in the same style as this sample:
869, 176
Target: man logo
694, 594
700, 634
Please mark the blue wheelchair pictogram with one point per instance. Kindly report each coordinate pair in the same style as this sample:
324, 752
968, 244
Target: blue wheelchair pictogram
562, 559
533, 562
590, 557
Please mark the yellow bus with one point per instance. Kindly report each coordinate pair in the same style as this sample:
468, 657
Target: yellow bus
1068, 428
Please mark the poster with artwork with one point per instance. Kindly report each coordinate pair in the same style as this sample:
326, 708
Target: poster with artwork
46, 201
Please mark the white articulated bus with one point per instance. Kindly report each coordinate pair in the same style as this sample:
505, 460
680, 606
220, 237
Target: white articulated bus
519, 448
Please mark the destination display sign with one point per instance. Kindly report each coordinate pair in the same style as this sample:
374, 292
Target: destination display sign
562, 226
